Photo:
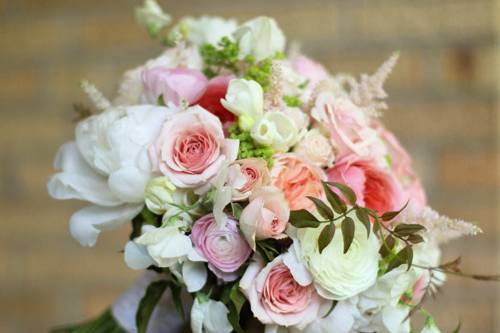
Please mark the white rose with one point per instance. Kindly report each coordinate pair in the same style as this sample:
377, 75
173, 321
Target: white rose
338, 276
108, 166
209, 316
277, 130
261, 38
203, 30
315, 148
244, 98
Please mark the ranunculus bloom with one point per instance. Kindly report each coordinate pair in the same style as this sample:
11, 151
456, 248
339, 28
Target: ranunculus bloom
266, 216
280, 294
246, 175
191, 148
310, 69
223, 247
347, 124
375, 187
297, 179
174, 84
210, 101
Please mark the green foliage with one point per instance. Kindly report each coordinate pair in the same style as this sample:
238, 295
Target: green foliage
348, 229
259, 71
235, 301
326, 236
292, 101
248, 148
144, 217
224, 55
105, 323
148, 303
303, 219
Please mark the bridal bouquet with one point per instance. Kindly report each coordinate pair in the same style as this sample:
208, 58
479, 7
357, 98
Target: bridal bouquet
261, 189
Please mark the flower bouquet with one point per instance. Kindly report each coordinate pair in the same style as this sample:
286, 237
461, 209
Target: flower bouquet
263, 192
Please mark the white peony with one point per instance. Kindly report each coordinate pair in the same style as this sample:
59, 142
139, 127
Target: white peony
108, 166
209, 316
203, 30
338, 276
261, 38
277, 130
245, 98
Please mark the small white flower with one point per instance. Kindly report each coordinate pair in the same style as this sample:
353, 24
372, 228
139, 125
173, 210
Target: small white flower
277, 130
203, 30
245, 98
159, 192
261, 38
152, 16
316, 148
209, 316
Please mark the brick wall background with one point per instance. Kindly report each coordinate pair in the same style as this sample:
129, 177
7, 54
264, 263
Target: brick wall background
443, 107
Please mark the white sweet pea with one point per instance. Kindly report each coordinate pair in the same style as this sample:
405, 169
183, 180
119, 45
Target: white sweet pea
136, 256
209, 316
245, 98
152, 17
159, 194
338, 276
194, 275
108, 166
203, 30
261, 38
341, 320
167, 246
277, 130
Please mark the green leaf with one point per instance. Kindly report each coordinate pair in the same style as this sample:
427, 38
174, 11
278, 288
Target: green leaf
176, 289
326, 236
148, 303
346, 191
404, 256
347, 232
105, 323
457, 329
236, 210
387, 246
322, 208
303, 219
388, 216
333, 198
404, 229
415, 239
237, 297
334, 304
237, 300
362, 215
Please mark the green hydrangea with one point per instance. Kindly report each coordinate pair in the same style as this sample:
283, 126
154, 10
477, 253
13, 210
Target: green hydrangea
223, 55
248, 147
292, 101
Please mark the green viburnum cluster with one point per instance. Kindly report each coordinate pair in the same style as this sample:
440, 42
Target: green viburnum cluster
217, 57
261, 71
292, 101
248, 147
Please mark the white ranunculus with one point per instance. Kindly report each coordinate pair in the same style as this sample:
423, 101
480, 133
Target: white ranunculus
261, 38
152, 16
203, 30
245, 98
167, 246
316, 148
209, 316
108, 165
338, 276
159, 194
277, 130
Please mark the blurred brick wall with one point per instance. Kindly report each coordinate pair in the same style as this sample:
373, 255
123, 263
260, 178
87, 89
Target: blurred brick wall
443, 107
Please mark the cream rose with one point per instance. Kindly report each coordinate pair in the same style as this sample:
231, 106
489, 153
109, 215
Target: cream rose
336, 275
316, 148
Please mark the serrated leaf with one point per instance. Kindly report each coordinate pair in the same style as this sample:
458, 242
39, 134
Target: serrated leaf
347, 192
326, 236
388, 216
236, 210
404, 229
148, 303
362, 215
347, 232
387, 246
333, 198
322, 208
303, 219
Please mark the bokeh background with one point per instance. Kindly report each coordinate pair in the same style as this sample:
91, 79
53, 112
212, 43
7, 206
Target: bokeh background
443, 98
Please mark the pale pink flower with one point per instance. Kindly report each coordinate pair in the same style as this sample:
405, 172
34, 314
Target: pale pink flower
297, 179
223, 247
191, 148
173, 84
266, 216
375, 188
281, 293
310, 69
246, 175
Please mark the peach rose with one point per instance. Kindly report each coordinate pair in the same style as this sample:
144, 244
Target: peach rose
375, 188
247, 175
266, 216
281, 293
191, 148
297, 179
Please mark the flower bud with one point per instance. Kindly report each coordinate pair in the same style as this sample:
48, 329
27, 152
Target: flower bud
159, 194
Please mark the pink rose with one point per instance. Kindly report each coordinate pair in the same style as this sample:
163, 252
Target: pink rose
347, 124
191, 148
224, 248
297, 179
375, 187
280, 293
174, 84
310, 69
247, 175
266, 216
216, 90
401, 165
